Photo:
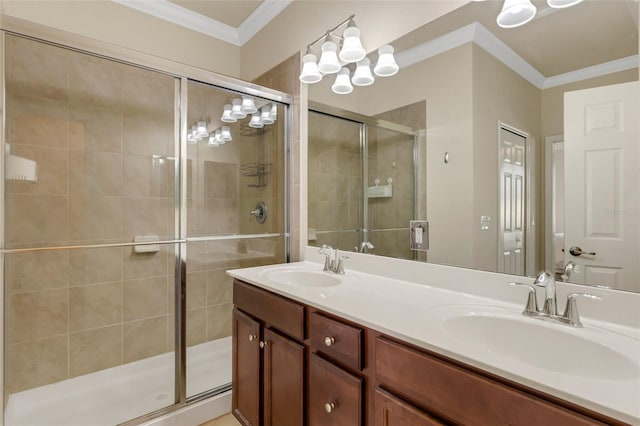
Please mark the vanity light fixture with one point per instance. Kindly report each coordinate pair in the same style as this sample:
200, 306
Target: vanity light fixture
515, 13
255, 122
225, 134
350, 51
560, 4
265, 115
518, 12
201, 130
226, 115
236, 109
248, 106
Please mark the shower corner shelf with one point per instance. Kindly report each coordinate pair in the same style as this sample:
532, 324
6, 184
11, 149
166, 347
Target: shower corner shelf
259, 170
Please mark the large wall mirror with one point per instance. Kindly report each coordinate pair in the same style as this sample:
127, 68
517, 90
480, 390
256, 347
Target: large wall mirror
518, 147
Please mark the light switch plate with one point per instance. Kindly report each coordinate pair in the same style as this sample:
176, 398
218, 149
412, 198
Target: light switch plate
419, 235
484, 222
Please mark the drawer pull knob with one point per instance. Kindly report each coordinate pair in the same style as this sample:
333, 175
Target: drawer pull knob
329, 407
263, 344
328, 341
252, 337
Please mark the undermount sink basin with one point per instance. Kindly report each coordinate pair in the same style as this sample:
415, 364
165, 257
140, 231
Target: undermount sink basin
583, 352
302, 278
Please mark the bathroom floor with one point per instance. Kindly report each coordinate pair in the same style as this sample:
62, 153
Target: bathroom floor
226, 420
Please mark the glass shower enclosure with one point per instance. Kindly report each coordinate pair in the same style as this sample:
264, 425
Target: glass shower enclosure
363, 182
126, 198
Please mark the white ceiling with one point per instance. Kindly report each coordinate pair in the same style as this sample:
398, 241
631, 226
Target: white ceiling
556, 42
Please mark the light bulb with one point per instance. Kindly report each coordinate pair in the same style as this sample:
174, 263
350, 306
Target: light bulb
352, 50
248, 105
386, 65
362, 75
225, 134
342, 85
265, 115
226, 115
329, 63
236, 109
201, 129
310, 73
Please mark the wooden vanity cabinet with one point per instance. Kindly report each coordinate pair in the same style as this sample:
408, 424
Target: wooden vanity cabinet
268, 365
318, 369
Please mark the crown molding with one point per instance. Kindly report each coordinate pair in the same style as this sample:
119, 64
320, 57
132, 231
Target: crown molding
186, 18
481, 36
260, 17
623, 64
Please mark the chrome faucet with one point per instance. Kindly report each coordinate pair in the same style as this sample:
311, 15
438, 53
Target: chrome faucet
568, 269
333, 261
550, 310
546, 281
365, 246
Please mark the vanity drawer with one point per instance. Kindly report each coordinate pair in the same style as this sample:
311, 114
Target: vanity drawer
283, 314
335, 396
461, 395
339, 341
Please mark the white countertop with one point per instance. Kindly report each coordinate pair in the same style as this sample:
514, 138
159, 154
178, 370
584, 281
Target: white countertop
409, 311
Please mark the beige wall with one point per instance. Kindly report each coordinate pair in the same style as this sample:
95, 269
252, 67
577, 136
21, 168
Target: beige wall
110, 22
499, 94
552, 100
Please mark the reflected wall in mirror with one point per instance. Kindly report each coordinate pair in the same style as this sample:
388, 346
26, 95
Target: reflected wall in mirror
495, 143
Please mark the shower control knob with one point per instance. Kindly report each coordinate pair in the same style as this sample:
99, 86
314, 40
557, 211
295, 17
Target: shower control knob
328, 341
252, 337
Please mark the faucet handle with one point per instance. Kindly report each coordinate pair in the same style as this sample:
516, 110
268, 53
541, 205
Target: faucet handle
340, 266
571, 315
531, 307
327, 251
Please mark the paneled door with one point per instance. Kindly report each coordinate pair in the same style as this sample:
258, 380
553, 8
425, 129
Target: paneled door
511, 256
601, 185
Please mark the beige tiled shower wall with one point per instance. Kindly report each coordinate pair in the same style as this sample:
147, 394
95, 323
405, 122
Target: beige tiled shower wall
391, 155
100, 132
335, 181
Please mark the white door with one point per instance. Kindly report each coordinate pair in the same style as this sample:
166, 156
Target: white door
511, 258
602, 185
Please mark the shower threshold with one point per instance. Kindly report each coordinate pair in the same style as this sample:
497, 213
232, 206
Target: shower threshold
116, 395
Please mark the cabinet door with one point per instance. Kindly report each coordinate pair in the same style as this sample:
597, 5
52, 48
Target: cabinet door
391, 411
335, 396
246, 369
283, 380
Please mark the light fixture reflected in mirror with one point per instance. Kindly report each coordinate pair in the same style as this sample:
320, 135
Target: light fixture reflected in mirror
226, 115
236, 109
560, 4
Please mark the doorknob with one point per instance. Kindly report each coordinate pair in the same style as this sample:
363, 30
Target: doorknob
577, 251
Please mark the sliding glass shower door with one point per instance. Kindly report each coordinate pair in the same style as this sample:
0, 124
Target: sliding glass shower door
362, 183
123, 209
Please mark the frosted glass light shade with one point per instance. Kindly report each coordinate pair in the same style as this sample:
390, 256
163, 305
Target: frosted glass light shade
342, 85
386, 65
274, 112
225, 134
214, 140
191, 136
248, 105
352, 50
255, 122
201, 129
310, 73
362, 75
559, 4
236, 109
515, 13
329, 63
226, 114
265, 115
